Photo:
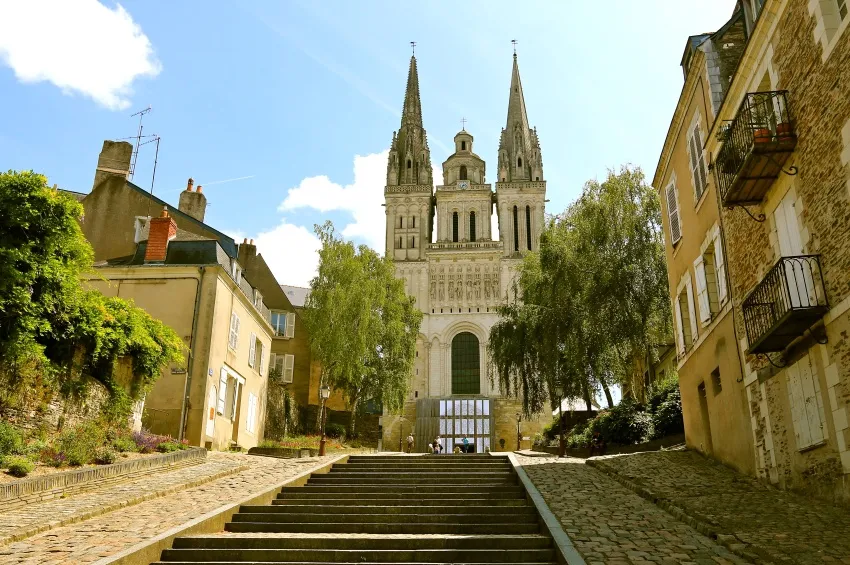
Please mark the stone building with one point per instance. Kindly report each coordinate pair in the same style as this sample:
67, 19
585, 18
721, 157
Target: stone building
458, 271
777, 154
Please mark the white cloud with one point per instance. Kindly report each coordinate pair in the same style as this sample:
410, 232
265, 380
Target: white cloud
78, 45
362, 199
291, 252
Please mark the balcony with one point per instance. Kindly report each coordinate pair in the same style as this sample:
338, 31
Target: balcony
464, 245
756, 145
788, 301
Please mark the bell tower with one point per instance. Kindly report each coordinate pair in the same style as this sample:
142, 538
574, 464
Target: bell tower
520, 186
410, 181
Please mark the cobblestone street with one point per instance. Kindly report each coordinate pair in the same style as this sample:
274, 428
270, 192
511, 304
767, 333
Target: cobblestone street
610, 524
772, 525
107, 534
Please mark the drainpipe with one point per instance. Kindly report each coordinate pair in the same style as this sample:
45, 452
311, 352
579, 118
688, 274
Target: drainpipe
191, 364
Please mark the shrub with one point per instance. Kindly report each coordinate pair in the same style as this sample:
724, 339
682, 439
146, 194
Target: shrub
80, 443
269, 443
11, 440
104, 456
34, 447
52, 457
168, 447
334, 430
19, 466
667, 419
148, 442
624, 424
124, 444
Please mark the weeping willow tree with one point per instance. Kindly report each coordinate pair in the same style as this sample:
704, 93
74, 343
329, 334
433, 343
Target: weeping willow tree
592, 298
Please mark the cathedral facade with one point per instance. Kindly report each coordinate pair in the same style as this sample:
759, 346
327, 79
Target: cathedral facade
459, 271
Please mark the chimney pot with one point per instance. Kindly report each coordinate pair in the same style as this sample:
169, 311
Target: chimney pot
189, 184
245, 241
164, 213
252, 241
200, 188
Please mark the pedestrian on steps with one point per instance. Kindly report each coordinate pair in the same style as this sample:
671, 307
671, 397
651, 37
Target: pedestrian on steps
410, 442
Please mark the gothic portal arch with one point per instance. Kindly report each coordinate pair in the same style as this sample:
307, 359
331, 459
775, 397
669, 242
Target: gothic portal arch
466, 364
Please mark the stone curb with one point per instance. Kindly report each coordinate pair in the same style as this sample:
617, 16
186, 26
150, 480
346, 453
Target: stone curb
728, 540
149, 551
567, 552
29, 531
77, 480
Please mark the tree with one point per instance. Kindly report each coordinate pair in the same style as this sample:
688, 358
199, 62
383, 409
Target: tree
53, 332
593, 297
362, 324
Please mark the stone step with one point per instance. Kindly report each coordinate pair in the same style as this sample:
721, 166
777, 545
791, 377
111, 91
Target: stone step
443, 459
357, 555
336, 563
504, 517
218, 541
363, 500
468, 477
383, 508
383, 529
476, 491
411, 480
361, 468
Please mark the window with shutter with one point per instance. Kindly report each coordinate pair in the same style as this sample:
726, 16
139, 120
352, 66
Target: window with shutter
806, 404
260, 354
698, 172
720, 269
288, 368
277, 364
233, 339
691, 312
251, 420
673, 213
290, 325
702, 291
252, 350
684, 315
680, 327
222, 393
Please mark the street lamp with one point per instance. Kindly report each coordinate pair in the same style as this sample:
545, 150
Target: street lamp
518, 432
325, 393
559, 391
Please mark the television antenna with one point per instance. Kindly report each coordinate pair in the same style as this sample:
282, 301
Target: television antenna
138, 138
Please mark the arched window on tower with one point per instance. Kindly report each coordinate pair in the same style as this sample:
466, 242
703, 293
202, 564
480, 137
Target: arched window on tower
413, 242
413, 221
518, 162
466, 364
472, 226
528, 226
462, 173
399, 246
516, 229
463, 146
409, 164
454, 227
401, 221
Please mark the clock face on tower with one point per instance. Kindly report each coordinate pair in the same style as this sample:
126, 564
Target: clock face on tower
463, 184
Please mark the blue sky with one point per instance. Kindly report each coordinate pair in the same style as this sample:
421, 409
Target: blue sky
302, 97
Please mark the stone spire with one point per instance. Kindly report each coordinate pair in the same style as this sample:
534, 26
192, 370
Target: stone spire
519, 148
410, 158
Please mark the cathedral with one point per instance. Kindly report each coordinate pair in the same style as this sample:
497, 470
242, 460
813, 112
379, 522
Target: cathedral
459, 271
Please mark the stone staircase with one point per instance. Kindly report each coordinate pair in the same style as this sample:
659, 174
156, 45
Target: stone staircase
468, 509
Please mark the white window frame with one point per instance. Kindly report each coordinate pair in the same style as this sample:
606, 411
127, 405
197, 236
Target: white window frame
251, 420
829, 23
806, 402
252, 350
672, 198
720, 269
233, 338
290, 325
222, 393
288, 368
261, 352
703, 299
277, 359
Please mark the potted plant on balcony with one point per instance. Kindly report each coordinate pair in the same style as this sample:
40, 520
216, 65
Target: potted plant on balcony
761, 114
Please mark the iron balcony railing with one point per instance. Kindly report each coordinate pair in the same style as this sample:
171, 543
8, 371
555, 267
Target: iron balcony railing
756, 145
789, 300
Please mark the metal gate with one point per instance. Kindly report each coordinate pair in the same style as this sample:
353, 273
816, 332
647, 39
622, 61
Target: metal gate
454, 419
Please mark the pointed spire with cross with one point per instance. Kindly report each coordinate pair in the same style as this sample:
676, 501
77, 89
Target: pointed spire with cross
463, 124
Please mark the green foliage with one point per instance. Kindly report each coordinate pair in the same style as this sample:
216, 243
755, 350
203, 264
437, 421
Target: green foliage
80, 444
18, 465
55, 332
335, 430
626, 423
592, 298
11, 440
362, 324
168, 447
665, 402
104, 456
124, 444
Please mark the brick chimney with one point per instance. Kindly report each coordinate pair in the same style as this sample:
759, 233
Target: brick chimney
193, 203
114, 160
162, 230
247, 254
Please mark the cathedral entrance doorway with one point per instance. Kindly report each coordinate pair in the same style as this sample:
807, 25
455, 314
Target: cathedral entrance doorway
455, 419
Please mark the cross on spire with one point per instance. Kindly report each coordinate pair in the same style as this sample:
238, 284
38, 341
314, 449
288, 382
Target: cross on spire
413, 47
514, 42
463, 124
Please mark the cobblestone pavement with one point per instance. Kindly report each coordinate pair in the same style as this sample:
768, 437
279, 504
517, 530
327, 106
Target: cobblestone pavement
37, 517
612, 525
110, 533
769, 524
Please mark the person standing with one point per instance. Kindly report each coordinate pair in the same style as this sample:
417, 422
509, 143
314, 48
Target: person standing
465, 444
410, 442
